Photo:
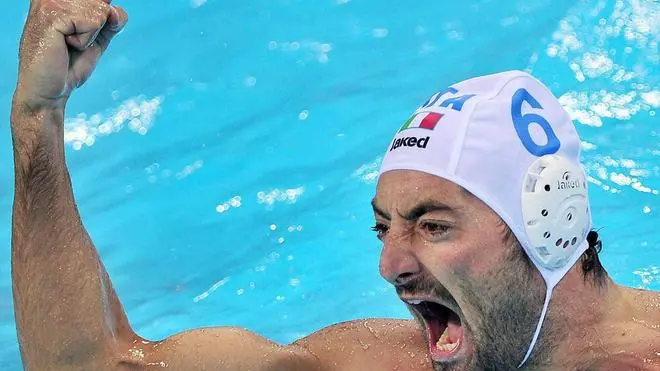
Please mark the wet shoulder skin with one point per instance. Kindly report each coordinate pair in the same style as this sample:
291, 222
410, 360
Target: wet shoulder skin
374, 344
68, 315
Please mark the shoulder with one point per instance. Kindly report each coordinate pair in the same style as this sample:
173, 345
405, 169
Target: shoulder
625, 362
633, 341
369, 344
375, 326
216, 348
391, 332
360, 345
644, 329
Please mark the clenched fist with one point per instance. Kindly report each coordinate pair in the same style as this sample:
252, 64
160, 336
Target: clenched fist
60, 47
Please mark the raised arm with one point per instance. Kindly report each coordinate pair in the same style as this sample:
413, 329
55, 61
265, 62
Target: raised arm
68, 315
67, 312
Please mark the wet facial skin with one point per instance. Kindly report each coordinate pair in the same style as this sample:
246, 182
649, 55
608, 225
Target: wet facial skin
454, 263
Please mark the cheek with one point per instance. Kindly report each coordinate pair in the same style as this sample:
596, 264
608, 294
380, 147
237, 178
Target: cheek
480, 262
448, 260
467, 259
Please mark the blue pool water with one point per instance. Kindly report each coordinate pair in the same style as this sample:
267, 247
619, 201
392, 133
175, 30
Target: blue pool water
225, 152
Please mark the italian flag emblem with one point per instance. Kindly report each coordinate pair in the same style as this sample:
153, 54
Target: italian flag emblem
422, 120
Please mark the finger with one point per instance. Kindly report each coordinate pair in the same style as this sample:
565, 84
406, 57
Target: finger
82, 30
74, 42
102, 32
82, 41
117, 19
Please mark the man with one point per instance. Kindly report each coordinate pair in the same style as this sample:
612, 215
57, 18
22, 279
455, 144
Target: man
481, 206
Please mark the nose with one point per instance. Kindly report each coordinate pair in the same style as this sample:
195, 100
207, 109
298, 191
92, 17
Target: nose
398, 263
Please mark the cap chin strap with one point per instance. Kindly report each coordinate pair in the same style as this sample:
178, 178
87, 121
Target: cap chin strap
551, 278
548, 294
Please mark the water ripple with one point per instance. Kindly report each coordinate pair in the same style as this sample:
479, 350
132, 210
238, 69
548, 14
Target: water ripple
137, 114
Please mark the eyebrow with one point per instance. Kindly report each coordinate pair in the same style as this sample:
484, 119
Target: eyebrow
417, 211
378, 211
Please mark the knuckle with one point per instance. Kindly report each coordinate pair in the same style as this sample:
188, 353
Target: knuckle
52, 11
100, 14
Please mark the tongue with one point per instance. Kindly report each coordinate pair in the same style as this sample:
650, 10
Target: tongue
454, 329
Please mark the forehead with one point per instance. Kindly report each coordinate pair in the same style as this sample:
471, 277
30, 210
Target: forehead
404, 190
410, 186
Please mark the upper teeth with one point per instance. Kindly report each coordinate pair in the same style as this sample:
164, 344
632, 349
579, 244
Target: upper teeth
414, 302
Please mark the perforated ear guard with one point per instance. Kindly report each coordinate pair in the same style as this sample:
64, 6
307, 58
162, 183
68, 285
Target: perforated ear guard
555, 210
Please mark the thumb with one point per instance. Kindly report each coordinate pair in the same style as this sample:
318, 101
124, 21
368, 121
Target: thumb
114, 23
117, 19
84, 60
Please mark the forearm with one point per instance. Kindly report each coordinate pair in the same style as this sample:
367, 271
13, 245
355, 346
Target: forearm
67, 312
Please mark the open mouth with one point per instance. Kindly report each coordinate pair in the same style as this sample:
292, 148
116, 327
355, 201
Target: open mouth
443, 328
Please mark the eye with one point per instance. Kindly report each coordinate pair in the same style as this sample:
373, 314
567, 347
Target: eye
435, 229
380, 229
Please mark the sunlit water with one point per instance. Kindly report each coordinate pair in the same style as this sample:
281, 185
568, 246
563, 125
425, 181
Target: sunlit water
225, 152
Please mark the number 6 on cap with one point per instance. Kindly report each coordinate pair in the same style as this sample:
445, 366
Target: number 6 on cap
522, 122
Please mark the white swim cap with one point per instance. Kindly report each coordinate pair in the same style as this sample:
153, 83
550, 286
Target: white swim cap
505, 138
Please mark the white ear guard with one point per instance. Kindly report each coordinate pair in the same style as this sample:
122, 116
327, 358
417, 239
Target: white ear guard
555, 210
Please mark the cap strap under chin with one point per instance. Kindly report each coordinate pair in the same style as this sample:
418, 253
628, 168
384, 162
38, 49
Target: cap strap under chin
548, 294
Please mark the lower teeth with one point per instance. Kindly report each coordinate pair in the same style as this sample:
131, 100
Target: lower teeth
447, 347
443, 343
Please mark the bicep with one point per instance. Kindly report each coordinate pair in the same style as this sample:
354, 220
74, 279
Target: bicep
217, 349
